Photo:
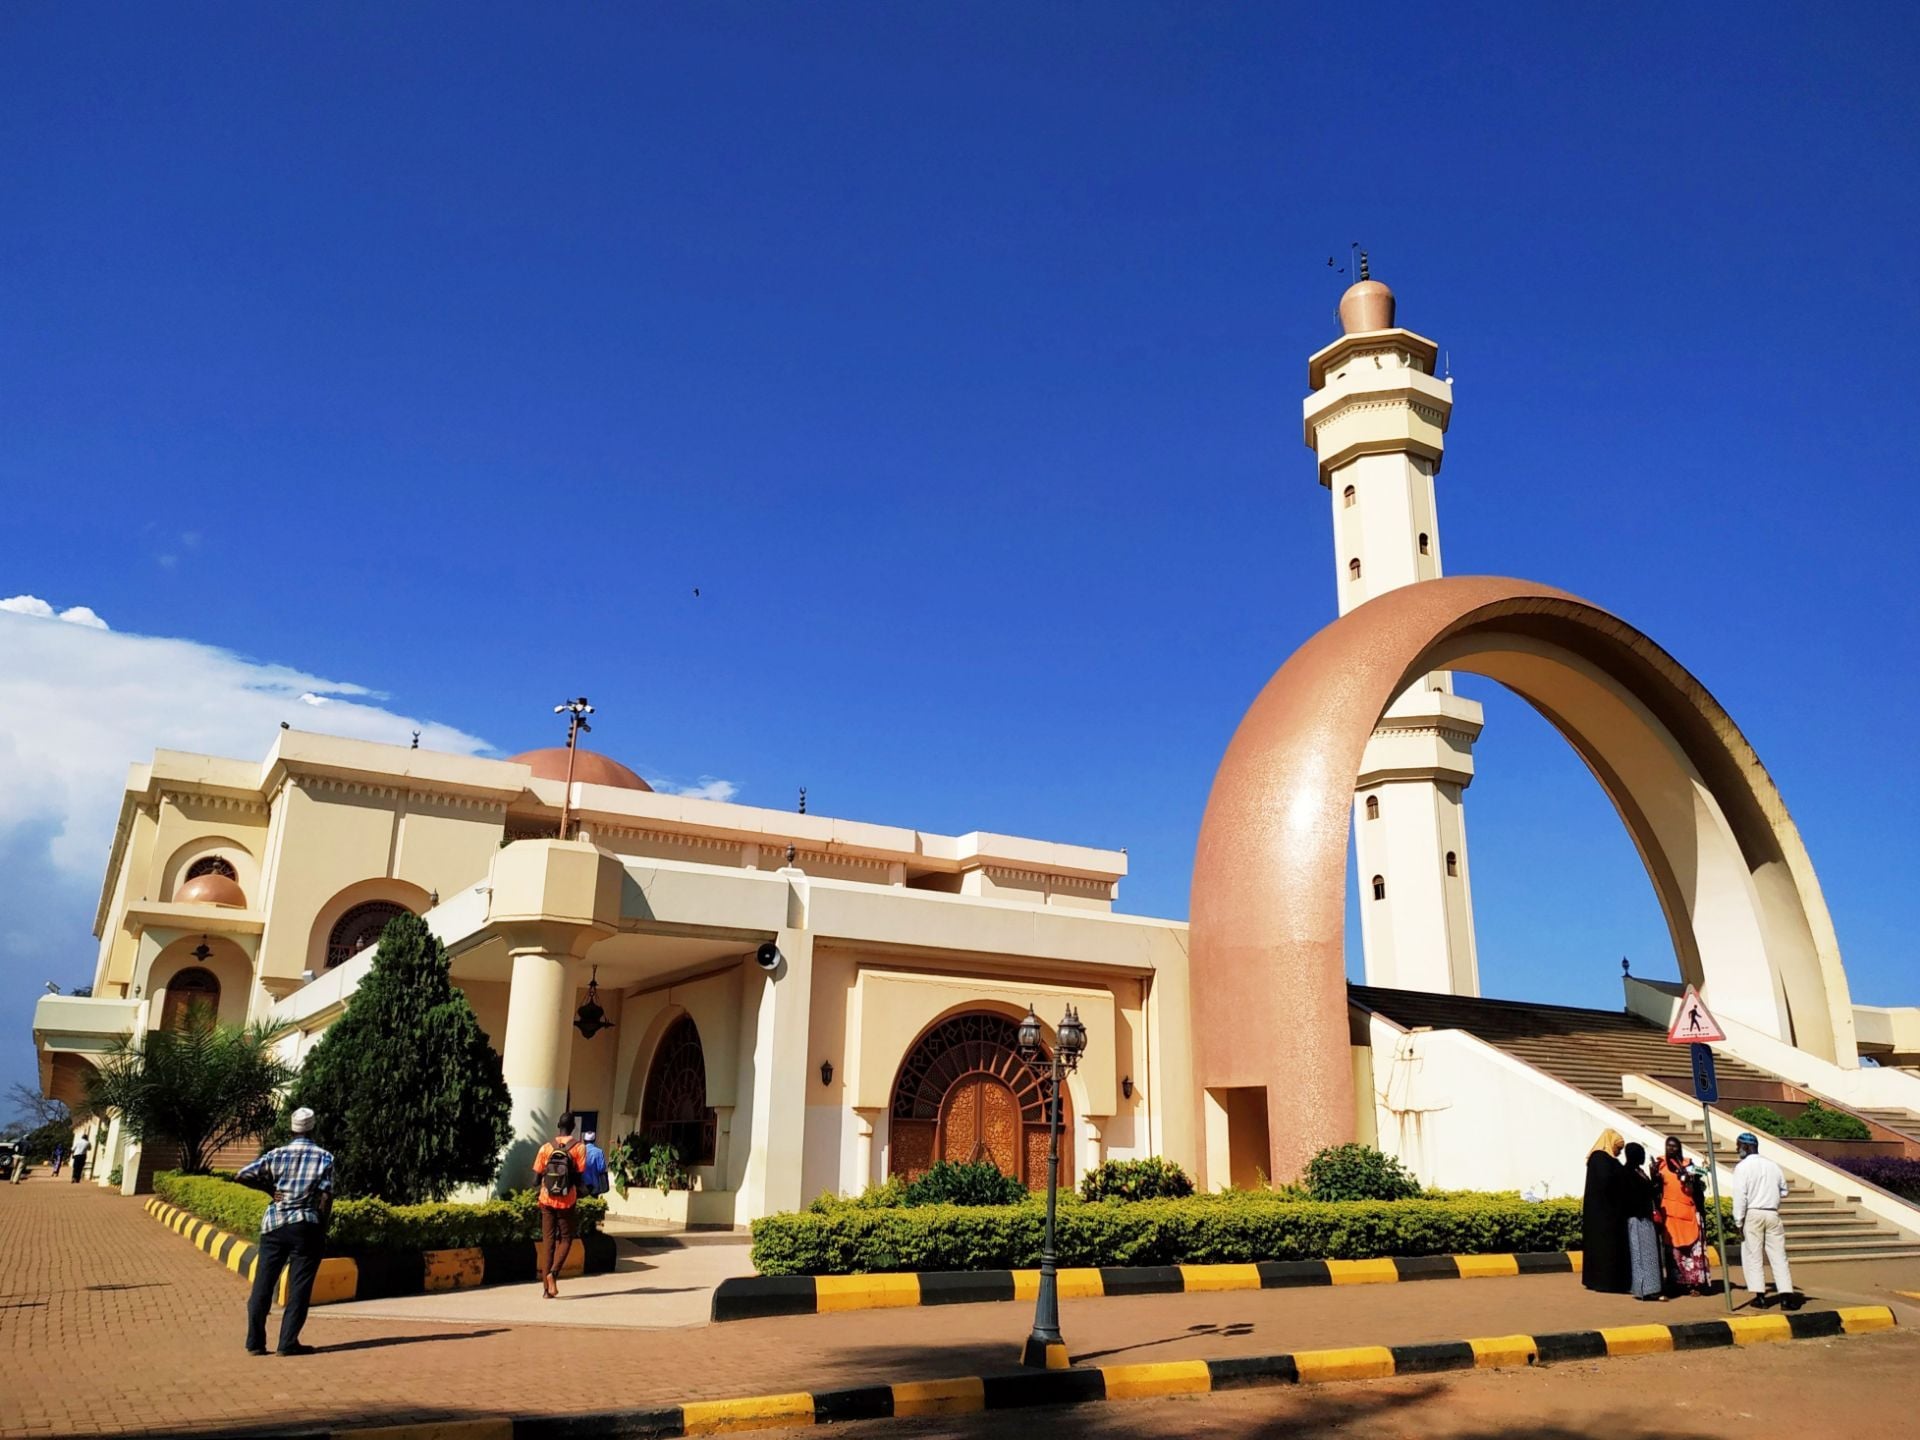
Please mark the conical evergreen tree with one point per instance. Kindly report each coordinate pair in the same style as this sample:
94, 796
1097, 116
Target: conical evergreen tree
406, 1091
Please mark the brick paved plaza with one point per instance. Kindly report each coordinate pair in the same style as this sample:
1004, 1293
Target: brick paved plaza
113, 1325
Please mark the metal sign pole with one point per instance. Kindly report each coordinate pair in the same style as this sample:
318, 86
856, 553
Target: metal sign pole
1719, 1221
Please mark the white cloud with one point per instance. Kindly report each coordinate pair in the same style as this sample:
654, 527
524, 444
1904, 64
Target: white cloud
80, 702
38, 609
707, 788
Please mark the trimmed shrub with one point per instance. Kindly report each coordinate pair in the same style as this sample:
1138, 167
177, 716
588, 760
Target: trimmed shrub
408, 1093
1889, 1172
1233, 1228
979, 1183
1358, 1172
889, 1194
1816, 1122
1152, 1178
374, 1224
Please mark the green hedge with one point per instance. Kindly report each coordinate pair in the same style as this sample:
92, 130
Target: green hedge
1201, 1230
374, 1224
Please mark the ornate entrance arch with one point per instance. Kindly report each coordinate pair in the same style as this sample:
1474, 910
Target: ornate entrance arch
1268, 907
964, 1094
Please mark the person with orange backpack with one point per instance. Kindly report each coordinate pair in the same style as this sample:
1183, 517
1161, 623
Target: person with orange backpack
558, 1170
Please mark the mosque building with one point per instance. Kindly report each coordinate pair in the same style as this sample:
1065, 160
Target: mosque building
802, 1004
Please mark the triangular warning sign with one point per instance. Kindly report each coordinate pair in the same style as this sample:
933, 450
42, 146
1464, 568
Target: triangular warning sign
1694, 1022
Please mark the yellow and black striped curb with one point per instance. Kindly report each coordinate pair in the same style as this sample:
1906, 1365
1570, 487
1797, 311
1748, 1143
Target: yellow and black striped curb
379, 1274
1132, 1382
753, 1297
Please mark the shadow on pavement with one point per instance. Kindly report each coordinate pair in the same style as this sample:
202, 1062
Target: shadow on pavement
384, 1341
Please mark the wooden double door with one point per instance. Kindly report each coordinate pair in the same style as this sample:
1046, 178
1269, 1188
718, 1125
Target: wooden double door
965, 1095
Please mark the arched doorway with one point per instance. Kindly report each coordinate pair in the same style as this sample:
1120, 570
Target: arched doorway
358, 928
673, 1109
189, 985
1269, 879
964, 1094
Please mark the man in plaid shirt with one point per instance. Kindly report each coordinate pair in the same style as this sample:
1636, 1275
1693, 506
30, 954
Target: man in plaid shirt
292, 1235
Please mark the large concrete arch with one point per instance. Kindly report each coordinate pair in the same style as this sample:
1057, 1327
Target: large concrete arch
1268, 901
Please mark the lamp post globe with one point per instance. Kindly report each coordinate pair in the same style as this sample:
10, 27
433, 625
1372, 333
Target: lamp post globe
1030, 1034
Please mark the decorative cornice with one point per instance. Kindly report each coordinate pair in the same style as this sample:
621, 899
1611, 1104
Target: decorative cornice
213, 801
660, 837
372, 790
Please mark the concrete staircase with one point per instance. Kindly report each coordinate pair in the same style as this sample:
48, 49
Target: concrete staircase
1904, 1121
1592, 1050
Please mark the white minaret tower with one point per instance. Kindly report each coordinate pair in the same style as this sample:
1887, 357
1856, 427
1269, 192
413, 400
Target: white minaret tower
1378, 421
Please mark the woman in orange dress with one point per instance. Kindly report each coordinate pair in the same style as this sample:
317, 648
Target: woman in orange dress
1679, 1206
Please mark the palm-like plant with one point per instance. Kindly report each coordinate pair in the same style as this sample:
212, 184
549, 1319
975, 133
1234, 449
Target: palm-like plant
202, 1086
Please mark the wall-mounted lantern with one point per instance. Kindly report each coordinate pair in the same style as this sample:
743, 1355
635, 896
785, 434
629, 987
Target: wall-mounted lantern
826, 1072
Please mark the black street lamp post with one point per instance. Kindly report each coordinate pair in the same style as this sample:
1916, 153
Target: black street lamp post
1044, 1348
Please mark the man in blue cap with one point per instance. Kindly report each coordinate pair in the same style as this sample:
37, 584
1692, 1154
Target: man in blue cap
1758, 1188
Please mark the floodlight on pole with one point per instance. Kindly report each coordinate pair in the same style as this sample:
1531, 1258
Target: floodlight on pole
576, 712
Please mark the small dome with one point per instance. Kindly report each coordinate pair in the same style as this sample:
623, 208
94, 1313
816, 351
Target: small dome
211, 890
1367, 305
589, 768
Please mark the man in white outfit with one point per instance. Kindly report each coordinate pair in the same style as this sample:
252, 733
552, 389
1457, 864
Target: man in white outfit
1758, 1188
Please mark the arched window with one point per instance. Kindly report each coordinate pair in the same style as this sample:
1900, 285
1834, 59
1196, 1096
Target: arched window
212, 865
359, 928
1373, 807
184, 989
1353, 568
964, 1094
673, 1111
1347, 498
1453, 863
1424, 548
1379, 887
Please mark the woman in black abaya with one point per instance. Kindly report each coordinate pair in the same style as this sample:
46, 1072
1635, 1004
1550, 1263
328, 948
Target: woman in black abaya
1603, 1219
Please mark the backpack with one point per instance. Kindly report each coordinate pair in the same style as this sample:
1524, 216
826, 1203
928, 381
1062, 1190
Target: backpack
561, 1176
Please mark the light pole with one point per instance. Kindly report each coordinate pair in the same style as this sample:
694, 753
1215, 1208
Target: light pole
576, 712
1045, 1349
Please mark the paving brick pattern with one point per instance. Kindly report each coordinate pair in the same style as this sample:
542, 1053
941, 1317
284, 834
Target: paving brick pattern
111, 1324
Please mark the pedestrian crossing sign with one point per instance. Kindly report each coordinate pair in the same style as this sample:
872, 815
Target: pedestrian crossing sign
1693, 1023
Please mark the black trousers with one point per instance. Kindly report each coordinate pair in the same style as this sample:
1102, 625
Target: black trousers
295, 1248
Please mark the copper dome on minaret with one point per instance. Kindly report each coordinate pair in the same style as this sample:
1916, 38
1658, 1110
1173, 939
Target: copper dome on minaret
211, 889
589, 768
1367, 305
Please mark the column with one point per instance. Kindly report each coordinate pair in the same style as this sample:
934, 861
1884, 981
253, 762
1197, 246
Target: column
536, 1056
864, 1121
777, 1118
1091, 1147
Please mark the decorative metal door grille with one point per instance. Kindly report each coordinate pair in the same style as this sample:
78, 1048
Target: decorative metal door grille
359, 928
674, 1107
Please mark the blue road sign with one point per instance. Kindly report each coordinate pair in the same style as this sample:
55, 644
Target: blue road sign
1706, 1087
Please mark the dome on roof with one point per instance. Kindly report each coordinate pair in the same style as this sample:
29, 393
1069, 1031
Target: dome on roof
589, 767
211, 889
1367, 305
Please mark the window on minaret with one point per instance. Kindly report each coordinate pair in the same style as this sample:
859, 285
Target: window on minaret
1348, 497
1379, 887
1453, 863
1424, 548
1353, 568
1373, 807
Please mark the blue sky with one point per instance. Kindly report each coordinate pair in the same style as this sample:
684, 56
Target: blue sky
955, 355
